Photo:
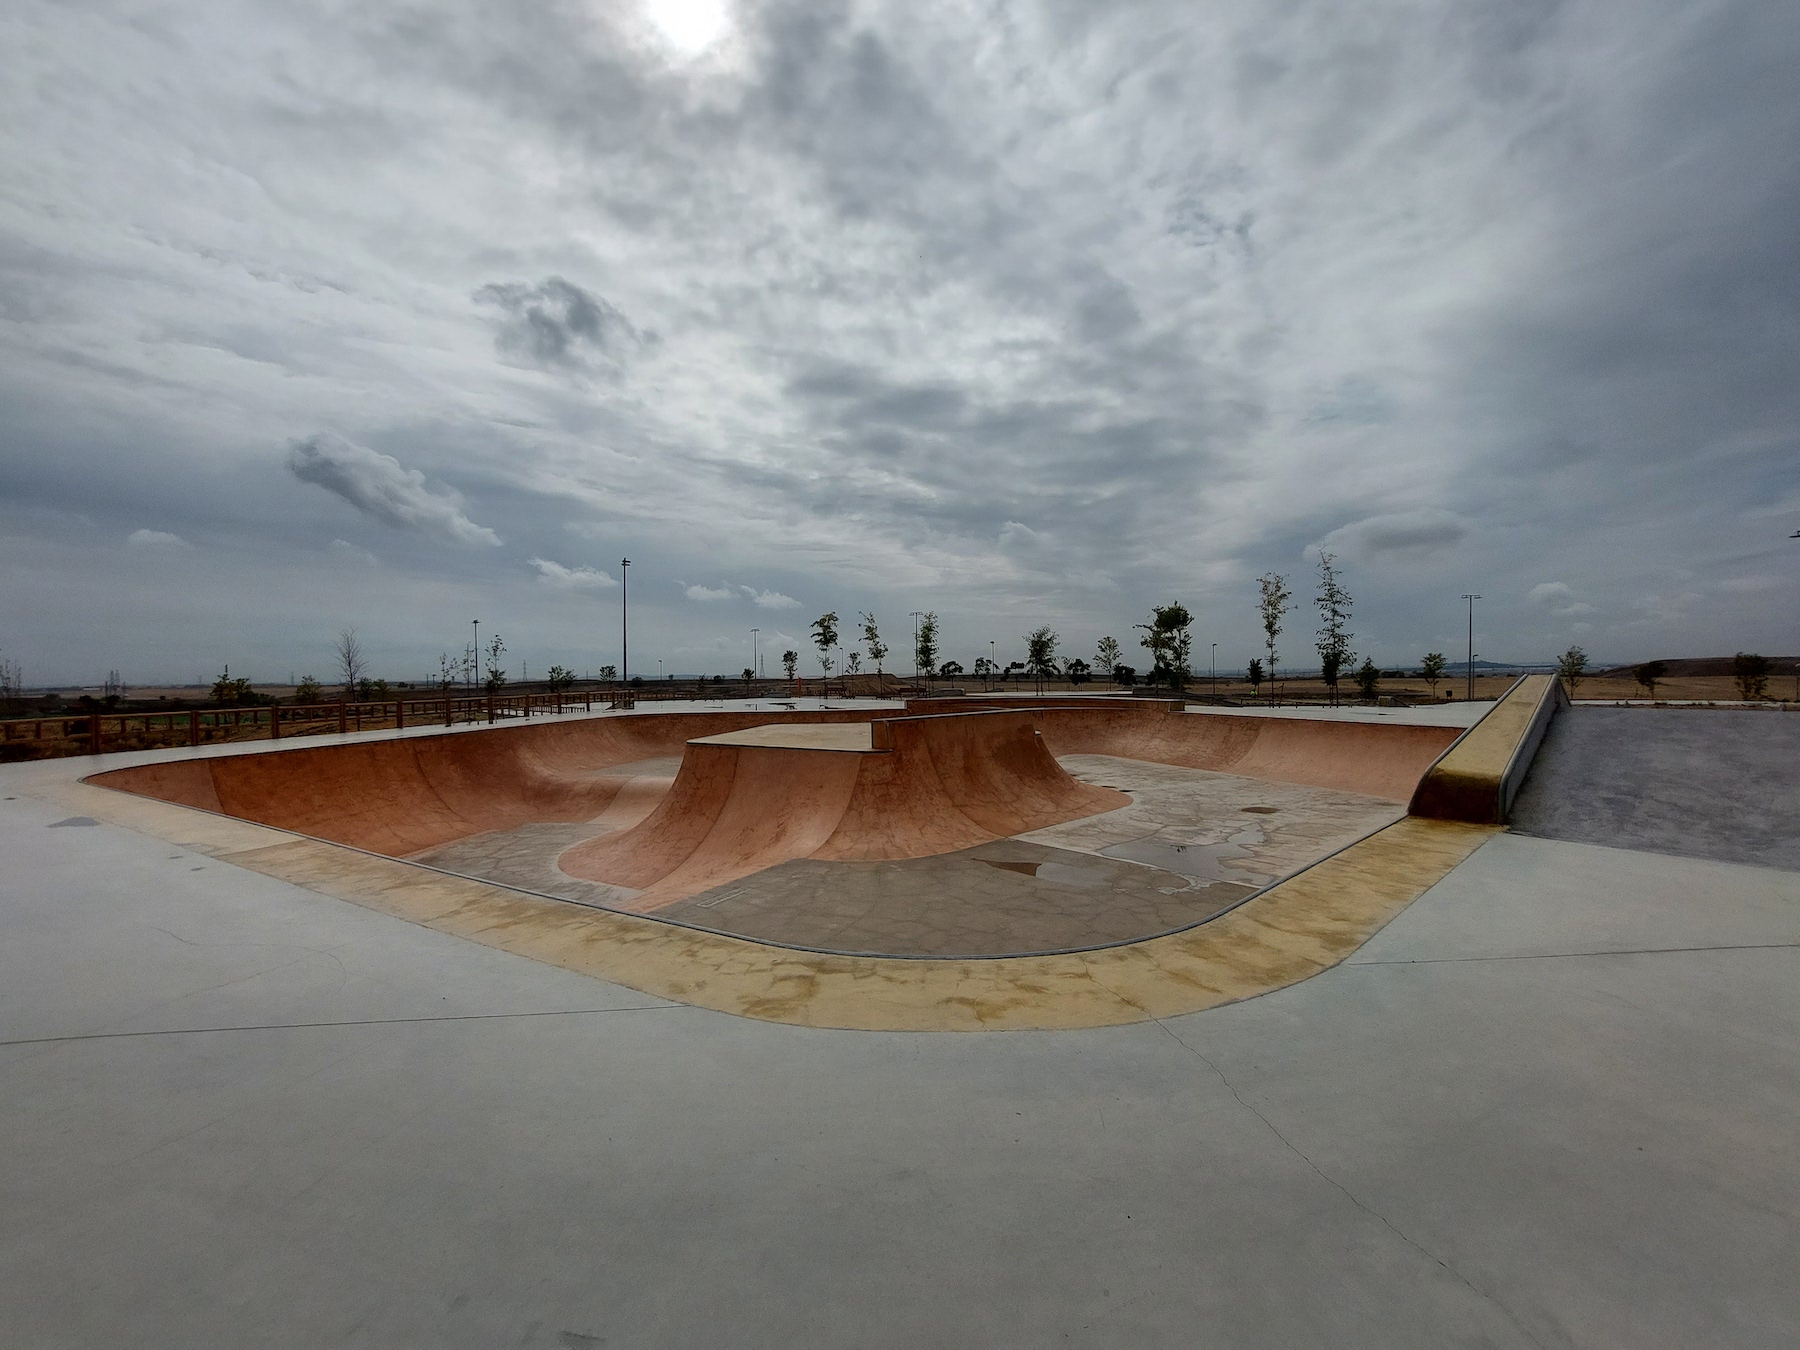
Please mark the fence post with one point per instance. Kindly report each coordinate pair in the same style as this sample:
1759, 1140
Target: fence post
274, 721
490, 709
399, 714
94, 733
343, 717
447, 714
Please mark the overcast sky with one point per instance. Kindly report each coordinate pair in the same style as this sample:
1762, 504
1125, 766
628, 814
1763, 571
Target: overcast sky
400, 315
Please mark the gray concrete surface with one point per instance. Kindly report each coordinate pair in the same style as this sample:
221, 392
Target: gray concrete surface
1704, 783
1456, 713
1553, 1104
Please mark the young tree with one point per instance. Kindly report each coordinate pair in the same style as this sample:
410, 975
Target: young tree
825, 636
1168, 639
1108, 654
853, 663
984, 668
1255, 674
1334, 613
1077, 671
927, 653
1040, 652
1431, 670
609, 672
448, 671
1274, 606
12, 684
228, 690
308, 690
1650, 673
1368, 679
790, 661
950, 670
1752, 675
496, 676
1572, 666
559, 678
872, 641
749, 674
352, 664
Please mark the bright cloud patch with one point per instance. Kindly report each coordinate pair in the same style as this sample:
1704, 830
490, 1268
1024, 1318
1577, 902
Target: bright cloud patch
349, 552
155, 539
1407, 533
770, 599
378, 486
571, 578
1560, 599
709, 594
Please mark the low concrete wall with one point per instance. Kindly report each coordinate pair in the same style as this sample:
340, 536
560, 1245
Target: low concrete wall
1477, 778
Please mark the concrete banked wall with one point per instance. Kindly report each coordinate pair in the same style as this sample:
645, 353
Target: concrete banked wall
398, 796
1374, 758
924, 786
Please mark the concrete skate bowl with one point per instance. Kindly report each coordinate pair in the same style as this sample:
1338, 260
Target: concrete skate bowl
953, 834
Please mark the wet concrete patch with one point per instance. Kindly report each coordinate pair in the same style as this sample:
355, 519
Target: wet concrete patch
1005, 898
1203, 862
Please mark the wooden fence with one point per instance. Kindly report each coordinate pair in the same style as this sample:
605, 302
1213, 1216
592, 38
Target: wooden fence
96, 731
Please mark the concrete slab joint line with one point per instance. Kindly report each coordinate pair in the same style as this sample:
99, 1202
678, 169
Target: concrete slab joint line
843, 787
1346, 1192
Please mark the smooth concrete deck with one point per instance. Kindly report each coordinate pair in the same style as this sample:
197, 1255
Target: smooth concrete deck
1707, 782
850, 736
1553, 1103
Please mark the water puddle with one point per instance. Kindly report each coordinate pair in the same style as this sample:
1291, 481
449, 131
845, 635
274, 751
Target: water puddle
1202, 862
1057, 873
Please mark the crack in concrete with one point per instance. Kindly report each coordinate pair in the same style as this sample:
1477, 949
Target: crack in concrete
356, 1022
1349, 1195
1557, 956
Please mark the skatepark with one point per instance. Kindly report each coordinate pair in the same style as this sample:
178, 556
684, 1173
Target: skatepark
1362, 1027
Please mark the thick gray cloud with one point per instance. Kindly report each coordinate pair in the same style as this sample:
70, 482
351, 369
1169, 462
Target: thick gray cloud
558, 326
1028, 312
377, 485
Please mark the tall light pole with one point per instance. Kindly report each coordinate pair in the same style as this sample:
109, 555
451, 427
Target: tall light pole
1215, 672
993, 663
477, 623
755, 660
917, 614
1469, 670
624, 626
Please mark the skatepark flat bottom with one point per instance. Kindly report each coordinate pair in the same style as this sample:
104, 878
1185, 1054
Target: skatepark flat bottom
1006, 898
1190, 844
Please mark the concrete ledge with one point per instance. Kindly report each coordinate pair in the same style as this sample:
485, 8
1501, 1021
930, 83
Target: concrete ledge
1477, 778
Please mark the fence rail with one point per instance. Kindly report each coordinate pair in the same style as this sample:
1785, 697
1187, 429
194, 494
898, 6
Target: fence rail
95, 731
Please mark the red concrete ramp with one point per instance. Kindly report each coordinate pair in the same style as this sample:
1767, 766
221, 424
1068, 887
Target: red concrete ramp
1377, 759
401, 795
914, 787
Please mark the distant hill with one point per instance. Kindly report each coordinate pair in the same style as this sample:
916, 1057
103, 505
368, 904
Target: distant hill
1684, 666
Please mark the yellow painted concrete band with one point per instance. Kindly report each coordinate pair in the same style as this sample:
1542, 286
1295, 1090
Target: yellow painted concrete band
1293, 931
1290, 932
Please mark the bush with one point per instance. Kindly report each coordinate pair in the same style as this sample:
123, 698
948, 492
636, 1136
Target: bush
1751, 672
